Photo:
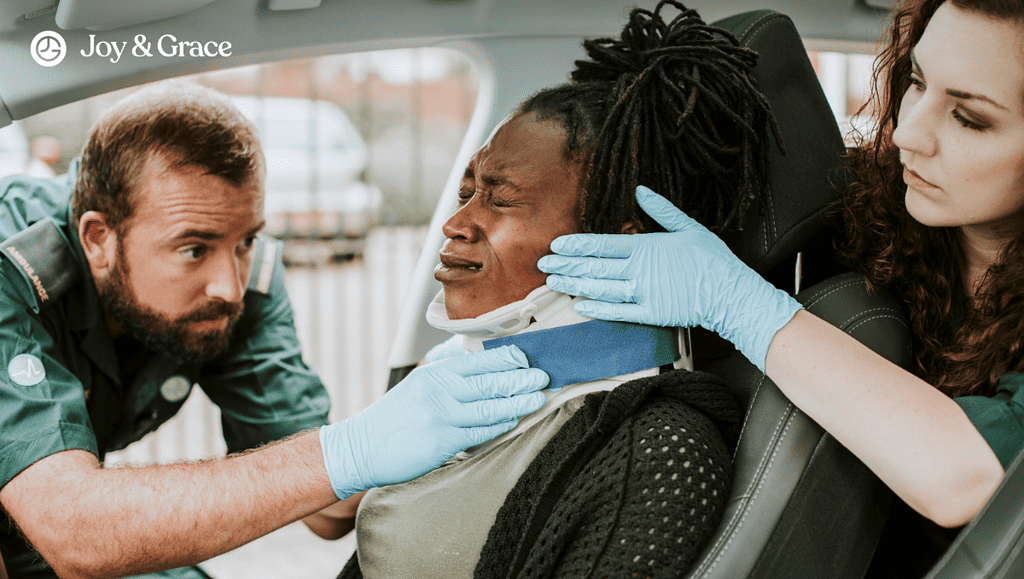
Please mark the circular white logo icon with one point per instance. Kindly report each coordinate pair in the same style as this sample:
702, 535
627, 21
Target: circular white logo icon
175, 388
26, 370
48, 48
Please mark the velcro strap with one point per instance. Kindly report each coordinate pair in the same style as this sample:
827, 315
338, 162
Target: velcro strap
593, 350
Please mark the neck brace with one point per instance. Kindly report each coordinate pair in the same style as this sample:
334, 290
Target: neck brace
504, 321
581, 355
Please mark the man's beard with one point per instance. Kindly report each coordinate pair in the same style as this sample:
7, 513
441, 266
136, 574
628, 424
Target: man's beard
158, 332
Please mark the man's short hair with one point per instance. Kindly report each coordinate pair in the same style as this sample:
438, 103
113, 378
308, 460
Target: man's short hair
176, 124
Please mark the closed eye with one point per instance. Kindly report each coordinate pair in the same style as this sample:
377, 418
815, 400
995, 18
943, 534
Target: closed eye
465, 194
967, 123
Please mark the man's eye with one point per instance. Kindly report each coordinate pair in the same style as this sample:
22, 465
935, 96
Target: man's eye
193, 252
248, 243
465, 194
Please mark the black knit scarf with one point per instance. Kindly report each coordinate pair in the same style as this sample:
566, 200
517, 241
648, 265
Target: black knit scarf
527, 510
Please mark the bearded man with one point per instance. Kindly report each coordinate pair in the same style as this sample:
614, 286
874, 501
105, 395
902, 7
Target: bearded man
143, 272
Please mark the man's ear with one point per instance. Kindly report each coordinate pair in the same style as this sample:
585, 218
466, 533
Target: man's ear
631, 228
99, 242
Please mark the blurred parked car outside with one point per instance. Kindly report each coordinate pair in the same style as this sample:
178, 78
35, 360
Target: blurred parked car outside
315, 163
13, 150
17, 155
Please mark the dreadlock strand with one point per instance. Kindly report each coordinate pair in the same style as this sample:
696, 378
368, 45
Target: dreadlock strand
669, 104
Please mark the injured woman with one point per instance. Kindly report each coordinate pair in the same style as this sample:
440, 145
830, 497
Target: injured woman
626, 470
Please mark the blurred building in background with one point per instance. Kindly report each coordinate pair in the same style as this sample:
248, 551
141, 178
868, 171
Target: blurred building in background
409, 110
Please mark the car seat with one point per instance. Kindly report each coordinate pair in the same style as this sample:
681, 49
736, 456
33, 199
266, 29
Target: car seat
801, 504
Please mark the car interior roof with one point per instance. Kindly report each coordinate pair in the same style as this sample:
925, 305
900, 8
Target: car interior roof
260, 33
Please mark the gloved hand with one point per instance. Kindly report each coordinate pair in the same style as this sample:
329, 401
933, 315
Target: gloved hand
685, 277
438, 410
447, 349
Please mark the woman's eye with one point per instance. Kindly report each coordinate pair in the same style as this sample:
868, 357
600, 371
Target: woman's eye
915, 82
967, 123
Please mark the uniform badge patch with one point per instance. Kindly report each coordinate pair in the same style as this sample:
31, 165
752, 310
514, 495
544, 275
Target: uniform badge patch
26, 370
175, 388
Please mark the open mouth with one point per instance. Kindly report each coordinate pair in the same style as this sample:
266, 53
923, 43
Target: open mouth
453, 268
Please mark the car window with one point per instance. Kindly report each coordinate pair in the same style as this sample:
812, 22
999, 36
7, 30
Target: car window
13, 149
846, 80
351, 140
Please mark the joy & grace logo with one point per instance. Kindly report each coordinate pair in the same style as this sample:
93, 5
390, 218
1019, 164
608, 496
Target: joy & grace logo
49, 48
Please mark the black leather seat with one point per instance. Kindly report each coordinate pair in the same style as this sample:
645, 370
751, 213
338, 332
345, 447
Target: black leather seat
801, 504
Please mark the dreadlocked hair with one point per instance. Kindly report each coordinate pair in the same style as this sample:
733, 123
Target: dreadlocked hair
671, 106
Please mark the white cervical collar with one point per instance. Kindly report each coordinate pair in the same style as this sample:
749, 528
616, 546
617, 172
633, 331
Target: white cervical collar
547, 309
504, 321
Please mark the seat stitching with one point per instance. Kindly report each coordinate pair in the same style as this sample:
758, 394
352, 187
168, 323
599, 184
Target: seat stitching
815, 299
760, 484
858, 314
753, 29
762, 22
747, 497
757, 392
830, 290
877, 317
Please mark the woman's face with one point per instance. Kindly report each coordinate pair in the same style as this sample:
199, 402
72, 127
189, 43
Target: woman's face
961, 124
517, 195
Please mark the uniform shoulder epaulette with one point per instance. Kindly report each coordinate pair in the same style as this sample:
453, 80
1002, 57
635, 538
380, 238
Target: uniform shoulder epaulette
264, 257
45, 259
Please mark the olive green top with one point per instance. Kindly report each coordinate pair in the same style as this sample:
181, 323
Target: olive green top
1000, 419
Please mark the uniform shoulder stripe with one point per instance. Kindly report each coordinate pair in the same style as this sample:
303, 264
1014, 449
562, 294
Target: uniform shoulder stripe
45, 259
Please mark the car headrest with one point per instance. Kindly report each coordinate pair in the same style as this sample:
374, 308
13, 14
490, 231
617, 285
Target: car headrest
808, 179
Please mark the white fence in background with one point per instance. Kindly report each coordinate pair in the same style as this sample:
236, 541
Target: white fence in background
346, 315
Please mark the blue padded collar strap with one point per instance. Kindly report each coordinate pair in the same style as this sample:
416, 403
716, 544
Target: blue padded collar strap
593, 350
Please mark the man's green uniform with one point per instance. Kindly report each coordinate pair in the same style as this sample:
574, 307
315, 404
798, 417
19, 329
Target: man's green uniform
65, 384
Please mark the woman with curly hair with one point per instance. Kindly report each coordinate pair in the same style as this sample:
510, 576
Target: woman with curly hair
936, 214
627, 469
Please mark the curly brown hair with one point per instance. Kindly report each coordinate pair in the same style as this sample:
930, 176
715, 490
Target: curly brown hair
921, 264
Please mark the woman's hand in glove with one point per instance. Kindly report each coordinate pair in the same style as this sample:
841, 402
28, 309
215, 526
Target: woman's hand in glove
684, 277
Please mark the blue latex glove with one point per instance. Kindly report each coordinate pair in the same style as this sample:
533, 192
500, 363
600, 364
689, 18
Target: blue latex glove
447, 349
685, 277
438, 410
